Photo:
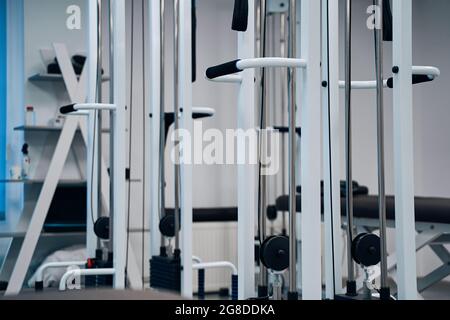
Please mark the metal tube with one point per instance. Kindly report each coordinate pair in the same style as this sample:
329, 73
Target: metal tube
111, 122
274, 112
216, 265
53, 265
162, 122
98, 113
83, 272
177, 124
262, 192
283, 83
270, 62
351, 286
292, 151
380, 137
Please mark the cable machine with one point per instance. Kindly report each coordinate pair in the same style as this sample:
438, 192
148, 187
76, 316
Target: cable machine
310, 94
367, 249
115, 264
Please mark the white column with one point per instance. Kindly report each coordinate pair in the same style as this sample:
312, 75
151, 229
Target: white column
247, 174
404, 151
186, 123
91, 170
120, 223
153, 125
310, 82
331, 145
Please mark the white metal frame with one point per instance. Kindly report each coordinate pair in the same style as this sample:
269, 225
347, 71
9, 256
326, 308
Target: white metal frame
56, 265
118, 110
77, 92
431, 72
153, 125
153, 129
186, 123
308, 83
78, 273
404, 151
403, 147
309, 98
247, 174
331, 148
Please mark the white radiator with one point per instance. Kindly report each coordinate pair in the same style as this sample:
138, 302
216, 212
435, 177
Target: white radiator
215, 242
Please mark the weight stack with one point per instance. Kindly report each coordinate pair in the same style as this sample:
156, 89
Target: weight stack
102, 281
165, 273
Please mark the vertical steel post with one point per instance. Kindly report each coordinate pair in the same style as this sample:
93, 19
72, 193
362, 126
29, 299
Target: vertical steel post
176, 23
162, 121
385, 292
111, 121
351, 284
99, 113
283, 83
262, 192
292, 99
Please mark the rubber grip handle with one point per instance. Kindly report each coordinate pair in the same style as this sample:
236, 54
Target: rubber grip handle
285, 130
223, 70
234, 287
201, 284
387, 21
240, 16
416, 79
67, 109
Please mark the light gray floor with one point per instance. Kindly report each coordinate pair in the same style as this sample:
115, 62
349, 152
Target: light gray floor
440, 291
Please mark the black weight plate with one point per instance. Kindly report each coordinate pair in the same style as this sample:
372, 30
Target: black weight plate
354, 243
263, 248
101, 228
275, 253
167, 226
272, 213
366, 249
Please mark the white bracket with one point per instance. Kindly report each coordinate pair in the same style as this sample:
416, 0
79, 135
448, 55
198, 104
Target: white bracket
277, 6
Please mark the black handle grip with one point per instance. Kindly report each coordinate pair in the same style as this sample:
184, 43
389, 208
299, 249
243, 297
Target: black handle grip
201, 284
67, 109
416, 79
234, 287
387, 21
285, 130
240, 16
223, 69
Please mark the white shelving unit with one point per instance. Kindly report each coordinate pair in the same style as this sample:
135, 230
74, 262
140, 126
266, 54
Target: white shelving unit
46, 129
54, 77
27, 235
34, 181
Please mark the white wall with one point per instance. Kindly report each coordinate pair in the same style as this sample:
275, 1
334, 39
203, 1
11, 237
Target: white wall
45, 24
